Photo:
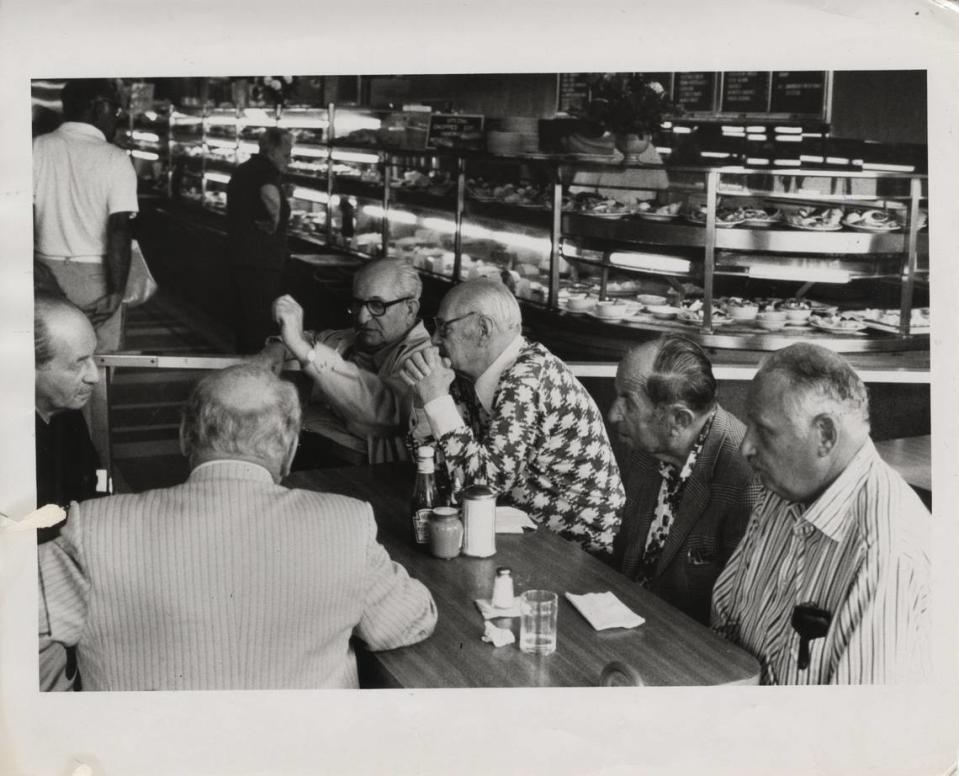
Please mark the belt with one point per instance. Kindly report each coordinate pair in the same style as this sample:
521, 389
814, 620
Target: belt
72, 259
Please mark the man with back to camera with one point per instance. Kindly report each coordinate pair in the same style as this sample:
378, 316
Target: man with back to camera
257, 213
689, 491
527, 427
830, 584
66, 462
230, 580
84, 195
358, 396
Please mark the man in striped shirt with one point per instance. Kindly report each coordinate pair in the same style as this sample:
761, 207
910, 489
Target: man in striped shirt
830, 584
229, 581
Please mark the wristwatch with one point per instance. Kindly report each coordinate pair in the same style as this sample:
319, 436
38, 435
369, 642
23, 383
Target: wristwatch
309, 358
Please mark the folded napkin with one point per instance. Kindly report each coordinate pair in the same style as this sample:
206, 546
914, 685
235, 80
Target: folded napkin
489, 611
499, 637
510, 520
604, 610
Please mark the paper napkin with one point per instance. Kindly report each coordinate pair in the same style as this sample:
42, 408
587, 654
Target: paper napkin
510, 520
499, 637
604, 610
489, 611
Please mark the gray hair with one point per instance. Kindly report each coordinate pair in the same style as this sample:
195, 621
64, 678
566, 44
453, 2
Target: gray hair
45, 306
492, 298
242, 411
273, 137
817, 376
681, 372
405, 276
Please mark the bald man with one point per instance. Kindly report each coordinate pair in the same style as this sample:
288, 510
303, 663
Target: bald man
229, 581
64, 344
527, 427
689, 491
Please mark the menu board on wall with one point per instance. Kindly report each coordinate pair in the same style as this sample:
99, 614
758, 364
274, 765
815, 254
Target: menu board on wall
695, 91
572, 91
745, 91
798, 92
711, 95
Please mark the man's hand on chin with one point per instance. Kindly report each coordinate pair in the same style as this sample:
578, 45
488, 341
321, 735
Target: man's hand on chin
429, 374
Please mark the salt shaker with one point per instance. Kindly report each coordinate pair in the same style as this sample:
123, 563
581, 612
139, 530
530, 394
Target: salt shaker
503, 588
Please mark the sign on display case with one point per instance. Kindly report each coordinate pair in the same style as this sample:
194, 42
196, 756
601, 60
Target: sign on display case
455, 130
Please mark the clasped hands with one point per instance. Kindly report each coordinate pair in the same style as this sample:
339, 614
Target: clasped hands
289, 315
428, 373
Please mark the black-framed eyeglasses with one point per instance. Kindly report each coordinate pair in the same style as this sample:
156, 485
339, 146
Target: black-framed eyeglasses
442, 327
377, 307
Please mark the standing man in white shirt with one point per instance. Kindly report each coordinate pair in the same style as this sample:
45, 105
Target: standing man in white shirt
84, 195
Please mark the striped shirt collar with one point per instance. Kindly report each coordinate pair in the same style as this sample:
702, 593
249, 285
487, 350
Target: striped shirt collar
828, 512
230, 469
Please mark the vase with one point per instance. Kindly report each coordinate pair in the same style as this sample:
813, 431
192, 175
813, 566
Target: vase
631, 144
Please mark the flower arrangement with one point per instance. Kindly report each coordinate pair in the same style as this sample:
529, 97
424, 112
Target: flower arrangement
626, 103
273, 89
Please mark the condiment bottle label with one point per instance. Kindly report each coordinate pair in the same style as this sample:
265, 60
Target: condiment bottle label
421, 525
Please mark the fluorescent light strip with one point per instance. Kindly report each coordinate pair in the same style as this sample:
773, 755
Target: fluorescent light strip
148, 155
756, 160
230, 121
150, 115
350, 122
311, 195
355, 156
789, 130
650, 261
782, 272
812, 134
755, 137
219, 143
787, 162
788, 139
730, 133
146, 137
837, 160
300, 150
733, 128
888, 167
755, 129
216, 177
809, 158
664, 150
715, 154
682, 130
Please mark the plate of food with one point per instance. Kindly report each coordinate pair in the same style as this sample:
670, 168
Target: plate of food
826, 219
876, 221
888, 320
695, 317
662, 213
837, 324
725, 217
761, 217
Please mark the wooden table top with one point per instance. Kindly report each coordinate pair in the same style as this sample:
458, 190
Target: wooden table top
911, 457
668, 649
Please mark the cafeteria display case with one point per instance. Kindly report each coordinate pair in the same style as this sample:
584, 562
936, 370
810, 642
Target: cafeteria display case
748, 258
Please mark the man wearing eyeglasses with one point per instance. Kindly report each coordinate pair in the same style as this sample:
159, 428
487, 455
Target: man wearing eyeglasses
521, 423
359, 404
84, 195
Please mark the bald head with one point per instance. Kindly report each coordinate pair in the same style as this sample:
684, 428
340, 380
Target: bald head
397, 274
491, 298
244, 413
64, 344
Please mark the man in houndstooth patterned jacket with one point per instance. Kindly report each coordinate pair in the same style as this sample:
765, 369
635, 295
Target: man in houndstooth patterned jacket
525, 425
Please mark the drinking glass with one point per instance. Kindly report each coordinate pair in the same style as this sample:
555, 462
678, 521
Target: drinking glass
537, 624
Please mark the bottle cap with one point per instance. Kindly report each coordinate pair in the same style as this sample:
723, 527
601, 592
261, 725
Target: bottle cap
503, 571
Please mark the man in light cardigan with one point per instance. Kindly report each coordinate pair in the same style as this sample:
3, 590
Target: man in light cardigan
230, 580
